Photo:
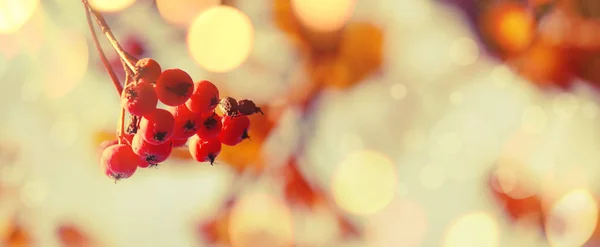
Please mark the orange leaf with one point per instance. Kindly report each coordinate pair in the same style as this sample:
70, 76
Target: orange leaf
71, 236
17, 237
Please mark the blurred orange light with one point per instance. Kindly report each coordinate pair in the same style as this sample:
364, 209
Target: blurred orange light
364, 183
14, 13
511, 26
221, 38
182, 12
110, 5
323, 15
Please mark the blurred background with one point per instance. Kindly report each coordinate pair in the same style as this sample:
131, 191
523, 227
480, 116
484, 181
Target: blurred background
388, 123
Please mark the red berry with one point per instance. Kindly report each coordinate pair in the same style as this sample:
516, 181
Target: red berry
139, 99
152, 154
103, 145
119, 161
157, 126
186, 122
174, 87
210, 126
234, 130
134, 46
204, 150
179, 142
148, 69
205, 97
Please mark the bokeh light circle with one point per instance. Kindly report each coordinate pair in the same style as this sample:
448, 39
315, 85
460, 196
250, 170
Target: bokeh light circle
474, 229
110, 5
14, 14
572, 219
220, 38
182, 12
323, 15
364, 183
259, 219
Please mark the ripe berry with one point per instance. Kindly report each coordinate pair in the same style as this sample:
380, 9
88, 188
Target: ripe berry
103, 145
119, 161
234, 130
139, 99
205, 97
229, 106
247, 107
178, 142
148, 69
157, 126
210, 126
205, 149
152, 154
186, 122
174, 87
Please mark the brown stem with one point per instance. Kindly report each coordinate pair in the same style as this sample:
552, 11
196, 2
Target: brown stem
105, 62
111, 37
121, 127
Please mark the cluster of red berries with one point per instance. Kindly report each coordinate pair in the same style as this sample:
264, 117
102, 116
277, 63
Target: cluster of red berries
190, 116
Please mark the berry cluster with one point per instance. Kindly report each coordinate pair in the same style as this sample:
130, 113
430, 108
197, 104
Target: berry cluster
190, 117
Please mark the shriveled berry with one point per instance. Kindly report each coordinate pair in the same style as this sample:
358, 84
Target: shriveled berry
229, 106
247, 107
187, 123
174, 87
148, 69
205, 97
119, 161
157, 126
234, 130
204, 149
211, 125
178, 142
152, 154
139, 99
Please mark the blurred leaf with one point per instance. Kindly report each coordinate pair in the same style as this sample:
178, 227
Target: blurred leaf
216, 230
297, 190
72, 236
517, 208
546, 64
16, 236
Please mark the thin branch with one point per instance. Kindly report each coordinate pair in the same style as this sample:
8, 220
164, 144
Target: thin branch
121, 126
105, 62
111, 37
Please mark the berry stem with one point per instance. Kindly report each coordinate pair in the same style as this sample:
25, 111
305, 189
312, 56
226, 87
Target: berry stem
121, 127
105, 62
111, 37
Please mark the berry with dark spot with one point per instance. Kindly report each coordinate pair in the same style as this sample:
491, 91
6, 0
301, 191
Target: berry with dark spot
211, 126
187, 123
247, 107
204, 149
229, 106
234, 130
157, 127
151, 154
148, 69
119, 161
205, 97
174, 87
139, 99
